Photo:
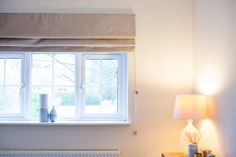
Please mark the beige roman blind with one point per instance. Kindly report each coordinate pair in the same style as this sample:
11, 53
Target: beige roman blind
66, 32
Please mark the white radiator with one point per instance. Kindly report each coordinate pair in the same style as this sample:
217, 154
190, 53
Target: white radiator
36, 153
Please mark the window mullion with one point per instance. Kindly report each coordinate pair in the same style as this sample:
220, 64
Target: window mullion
101, 83
78, 85
52, 89
26, 82
4, 78
4, 72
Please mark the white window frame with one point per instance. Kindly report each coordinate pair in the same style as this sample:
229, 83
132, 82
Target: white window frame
20, 56
122, 107
30, 86
121, 116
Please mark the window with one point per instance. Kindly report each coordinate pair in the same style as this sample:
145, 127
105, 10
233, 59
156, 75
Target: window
11, 85
81, 86
104, 86
54, 74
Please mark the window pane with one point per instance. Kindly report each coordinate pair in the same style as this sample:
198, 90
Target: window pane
109, 71
9, 99
101, 86
41, 69
64, 100
92, 100
13, 71
64, 72
93, 69
57, 72
10, 80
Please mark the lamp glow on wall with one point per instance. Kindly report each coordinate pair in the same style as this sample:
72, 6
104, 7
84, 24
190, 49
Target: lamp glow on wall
190, 107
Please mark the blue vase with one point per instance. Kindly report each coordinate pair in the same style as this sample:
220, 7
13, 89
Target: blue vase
53, 115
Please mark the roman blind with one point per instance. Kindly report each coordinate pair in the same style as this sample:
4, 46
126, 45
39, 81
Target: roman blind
67, 32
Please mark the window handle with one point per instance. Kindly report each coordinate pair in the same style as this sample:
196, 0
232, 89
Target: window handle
22, 86
82, 86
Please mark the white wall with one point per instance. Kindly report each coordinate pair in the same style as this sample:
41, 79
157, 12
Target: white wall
164, 68
215, 74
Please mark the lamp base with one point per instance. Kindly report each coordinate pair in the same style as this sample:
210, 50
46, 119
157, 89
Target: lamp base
190, 135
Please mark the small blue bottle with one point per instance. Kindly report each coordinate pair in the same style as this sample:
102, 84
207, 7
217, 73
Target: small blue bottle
53, 114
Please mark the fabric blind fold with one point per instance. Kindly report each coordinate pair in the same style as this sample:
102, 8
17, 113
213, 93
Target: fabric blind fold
61, 32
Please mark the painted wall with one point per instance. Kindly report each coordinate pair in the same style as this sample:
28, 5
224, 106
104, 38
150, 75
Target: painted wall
164, 59
215, 74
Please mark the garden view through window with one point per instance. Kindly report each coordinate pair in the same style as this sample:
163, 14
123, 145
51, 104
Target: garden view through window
10, 85
81, 86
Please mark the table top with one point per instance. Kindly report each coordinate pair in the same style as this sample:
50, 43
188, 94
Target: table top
173, 154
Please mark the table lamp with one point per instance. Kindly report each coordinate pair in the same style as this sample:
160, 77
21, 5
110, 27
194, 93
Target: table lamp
190, 107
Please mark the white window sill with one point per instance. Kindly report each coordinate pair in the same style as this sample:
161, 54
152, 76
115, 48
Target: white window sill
64, 123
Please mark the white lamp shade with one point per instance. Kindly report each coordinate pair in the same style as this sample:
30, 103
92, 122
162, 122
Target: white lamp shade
190, 107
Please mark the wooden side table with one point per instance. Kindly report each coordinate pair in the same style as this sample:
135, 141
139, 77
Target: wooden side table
173, 154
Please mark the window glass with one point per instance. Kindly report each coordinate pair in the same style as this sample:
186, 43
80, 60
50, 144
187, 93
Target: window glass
13, 71
101, 86
64, 69
54, 75
10, 86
